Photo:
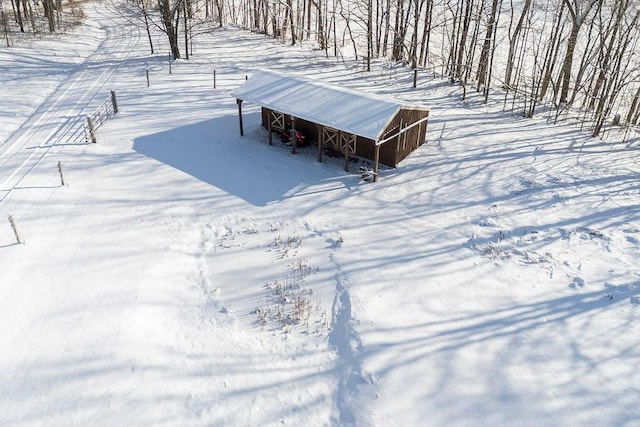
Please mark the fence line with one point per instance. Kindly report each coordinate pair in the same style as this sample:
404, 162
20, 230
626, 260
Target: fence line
104, 112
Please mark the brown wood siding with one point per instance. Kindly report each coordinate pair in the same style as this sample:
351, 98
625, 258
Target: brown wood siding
401, 146
391, 152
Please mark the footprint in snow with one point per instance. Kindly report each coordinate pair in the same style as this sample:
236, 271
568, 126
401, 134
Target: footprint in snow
577, 283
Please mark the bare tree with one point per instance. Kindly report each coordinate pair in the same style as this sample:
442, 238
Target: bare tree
634, 111
170, 19
622, 69
552, 51
513, 40
4, 24
489, 41
137, 13
426, 33
579, 11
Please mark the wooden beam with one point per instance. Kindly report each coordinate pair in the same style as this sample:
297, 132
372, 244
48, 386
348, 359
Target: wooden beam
270, 115
319, 143
346, 152
239, 102
376, 162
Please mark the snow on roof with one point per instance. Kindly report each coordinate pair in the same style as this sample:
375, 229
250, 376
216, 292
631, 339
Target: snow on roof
331, 106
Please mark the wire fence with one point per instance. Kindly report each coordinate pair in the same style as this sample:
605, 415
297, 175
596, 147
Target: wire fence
103, 113
100, 116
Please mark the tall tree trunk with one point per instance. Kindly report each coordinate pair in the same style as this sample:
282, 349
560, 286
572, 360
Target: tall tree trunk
49, 13
145, 15
453, 41
378, 28
607, 52
413, 51
464, 33
615, 81
585, 62
186, 28
578, 16
483, 63
631, 114
426, 34
321, 37
168, 14
292, 22
4, 25
567, 63
220, 8
308, 5
369, 33
256, 16
513, 42
387, 27
19, 16
551, 54
398, 41
473, 43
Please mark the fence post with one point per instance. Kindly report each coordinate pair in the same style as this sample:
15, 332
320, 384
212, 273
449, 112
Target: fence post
214, 79
147, 71
114, 102
15, 229
169, 63
60, 172
415, 77
239, 102
92, 130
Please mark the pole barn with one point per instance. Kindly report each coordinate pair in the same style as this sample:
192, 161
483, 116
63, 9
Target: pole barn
346, 121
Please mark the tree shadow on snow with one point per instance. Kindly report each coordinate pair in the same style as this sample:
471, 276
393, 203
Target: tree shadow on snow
519, 340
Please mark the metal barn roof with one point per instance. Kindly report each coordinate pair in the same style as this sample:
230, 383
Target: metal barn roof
331, 106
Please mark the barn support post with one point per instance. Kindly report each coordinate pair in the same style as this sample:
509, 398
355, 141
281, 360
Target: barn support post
239, 102
346, 152
294, 138
376, 162
320, 143
269, 120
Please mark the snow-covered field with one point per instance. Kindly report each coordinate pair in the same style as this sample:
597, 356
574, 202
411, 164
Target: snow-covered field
185, 275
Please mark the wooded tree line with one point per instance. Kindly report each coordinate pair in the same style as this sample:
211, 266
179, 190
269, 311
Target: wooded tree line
36, 16
575, 55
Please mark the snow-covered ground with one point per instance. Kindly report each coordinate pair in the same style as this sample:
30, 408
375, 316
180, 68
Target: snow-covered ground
189, 276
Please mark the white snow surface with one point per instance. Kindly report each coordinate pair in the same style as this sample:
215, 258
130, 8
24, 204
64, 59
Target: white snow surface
185, 275
333, 106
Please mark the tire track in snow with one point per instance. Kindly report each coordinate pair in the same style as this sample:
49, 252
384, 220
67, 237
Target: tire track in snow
74, 95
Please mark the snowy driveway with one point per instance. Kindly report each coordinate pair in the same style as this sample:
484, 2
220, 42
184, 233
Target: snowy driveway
82, 85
